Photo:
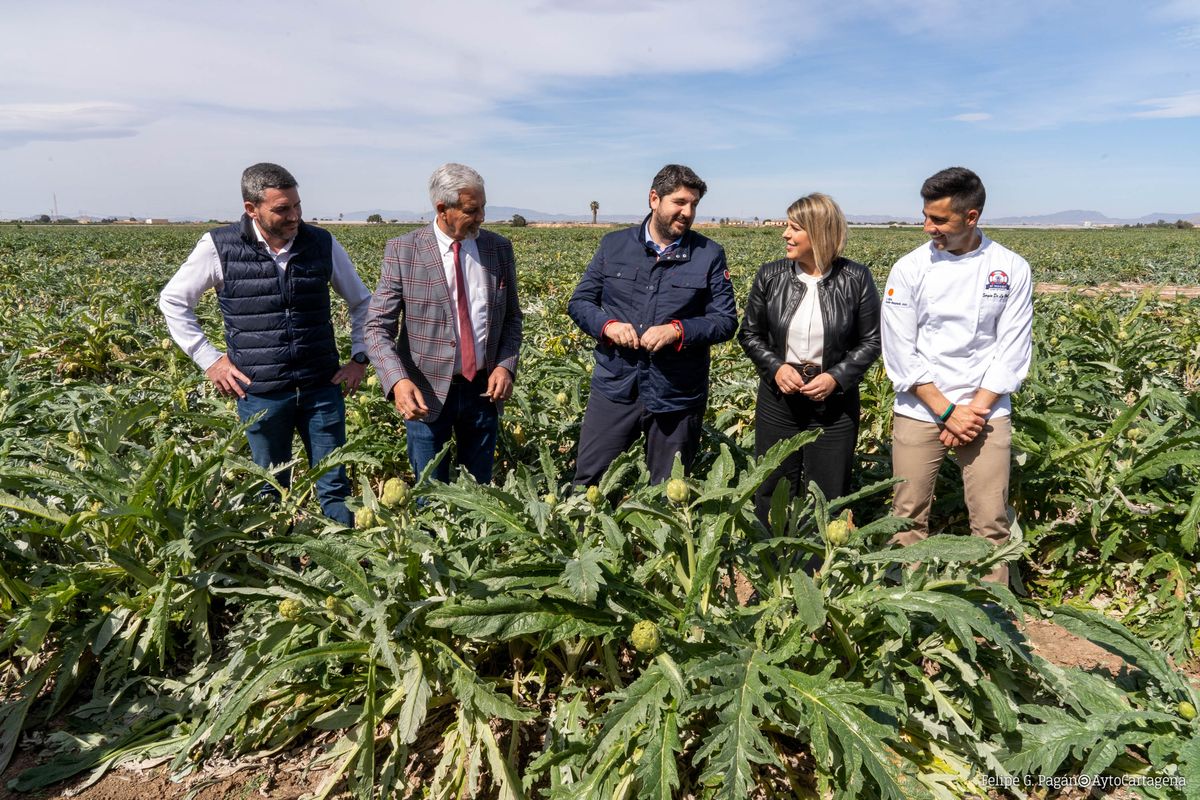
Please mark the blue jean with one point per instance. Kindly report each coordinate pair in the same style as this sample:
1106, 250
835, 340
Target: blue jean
471, 419
319, 415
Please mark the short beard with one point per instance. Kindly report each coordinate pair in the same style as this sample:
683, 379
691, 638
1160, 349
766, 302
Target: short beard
280, 231
664, 232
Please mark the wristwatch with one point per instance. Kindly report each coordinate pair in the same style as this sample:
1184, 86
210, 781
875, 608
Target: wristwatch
359, 358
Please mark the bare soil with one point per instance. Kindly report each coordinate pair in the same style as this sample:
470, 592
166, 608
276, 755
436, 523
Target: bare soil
283, 778
1059, 646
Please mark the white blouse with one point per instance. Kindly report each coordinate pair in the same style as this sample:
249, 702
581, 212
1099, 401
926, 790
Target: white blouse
806, 332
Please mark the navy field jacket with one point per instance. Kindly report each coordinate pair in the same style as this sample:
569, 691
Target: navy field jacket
627, 281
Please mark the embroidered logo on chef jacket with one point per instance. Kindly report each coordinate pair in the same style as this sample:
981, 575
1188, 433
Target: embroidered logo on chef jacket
997, 285
892, 299
997, 279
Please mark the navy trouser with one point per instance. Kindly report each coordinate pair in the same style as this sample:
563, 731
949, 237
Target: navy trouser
468, 417
609, 428
319, 415
826, 461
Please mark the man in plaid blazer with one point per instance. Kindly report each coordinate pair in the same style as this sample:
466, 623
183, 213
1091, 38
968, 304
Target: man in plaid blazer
452, 359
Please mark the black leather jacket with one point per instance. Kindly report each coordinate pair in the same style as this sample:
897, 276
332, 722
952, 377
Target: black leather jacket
849, 311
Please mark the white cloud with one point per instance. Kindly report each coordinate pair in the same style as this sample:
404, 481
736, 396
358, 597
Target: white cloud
425, 60
977, 116
1180, 106
24, 122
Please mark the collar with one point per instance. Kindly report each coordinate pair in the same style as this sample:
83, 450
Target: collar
258, 234
444, 240
946, 255
800, 275
675, 251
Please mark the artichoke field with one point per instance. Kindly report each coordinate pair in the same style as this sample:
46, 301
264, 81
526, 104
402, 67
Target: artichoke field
528, 640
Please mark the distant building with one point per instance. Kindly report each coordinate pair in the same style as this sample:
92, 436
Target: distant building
157, 221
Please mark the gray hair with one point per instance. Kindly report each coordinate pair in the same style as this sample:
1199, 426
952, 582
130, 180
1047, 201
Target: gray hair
258, 178
450, 179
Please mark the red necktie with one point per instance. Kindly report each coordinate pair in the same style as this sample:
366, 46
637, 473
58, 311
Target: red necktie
466, 335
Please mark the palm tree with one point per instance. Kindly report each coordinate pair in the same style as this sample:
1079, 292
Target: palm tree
595, 207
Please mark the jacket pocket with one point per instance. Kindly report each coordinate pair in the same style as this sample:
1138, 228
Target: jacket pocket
685, 294
619, 283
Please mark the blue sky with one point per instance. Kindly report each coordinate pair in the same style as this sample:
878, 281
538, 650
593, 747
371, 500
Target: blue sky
154, 109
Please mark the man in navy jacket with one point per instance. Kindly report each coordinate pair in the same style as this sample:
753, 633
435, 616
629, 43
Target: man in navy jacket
655, 297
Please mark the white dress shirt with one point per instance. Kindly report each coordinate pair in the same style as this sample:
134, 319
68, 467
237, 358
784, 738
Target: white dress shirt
202, 271
962, 323
806, 331
477, 292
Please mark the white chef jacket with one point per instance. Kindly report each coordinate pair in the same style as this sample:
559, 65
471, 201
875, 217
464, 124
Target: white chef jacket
961, 323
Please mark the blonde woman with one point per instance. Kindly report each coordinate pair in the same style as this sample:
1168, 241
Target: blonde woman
811, 328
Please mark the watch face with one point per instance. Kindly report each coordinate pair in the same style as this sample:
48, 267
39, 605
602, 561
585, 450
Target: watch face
359, 358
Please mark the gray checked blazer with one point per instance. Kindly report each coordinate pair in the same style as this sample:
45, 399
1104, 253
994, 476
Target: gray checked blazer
412, 286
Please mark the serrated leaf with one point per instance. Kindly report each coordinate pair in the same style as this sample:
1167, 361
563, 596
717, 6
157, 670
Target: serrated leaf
1117, 639
343, 564
657, 772
736, 742
211, 732
509, 618
481, 700
810, 603
504, 776
16, 707
831, 710
582, 576
641, 701
1189, 767
417, 692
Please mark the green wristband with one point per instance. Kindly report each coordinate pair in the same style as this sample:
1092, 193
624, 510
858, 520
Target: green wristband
946, 414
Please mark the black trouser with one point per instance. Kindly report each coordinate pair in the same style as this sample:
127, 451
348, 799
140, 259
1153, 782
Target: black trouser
610, 427
826, 461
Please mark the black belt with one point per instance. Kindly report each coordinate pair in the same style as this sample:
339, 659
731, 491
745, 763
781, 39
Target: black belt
807, 369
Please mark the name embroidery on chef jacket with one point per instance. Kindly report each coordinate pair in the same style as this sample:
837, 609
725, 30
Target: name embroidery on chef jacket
997, 285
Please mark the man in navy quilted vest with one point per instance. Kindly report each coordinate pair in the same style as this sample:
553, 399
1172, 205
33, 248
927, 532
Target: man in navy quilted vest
272, 274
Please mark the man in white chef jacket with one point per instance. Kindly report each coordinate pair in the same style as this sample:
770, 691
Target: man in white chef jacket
957, 337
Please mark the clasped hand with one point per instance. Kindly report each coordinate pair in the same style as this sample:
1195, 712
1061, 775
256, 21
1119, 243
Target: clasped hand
964, 424
623, 334
790, 381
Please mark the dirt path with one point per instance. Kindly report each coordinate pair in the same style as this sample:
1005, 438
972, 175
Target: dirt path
1061, 647
1165, 292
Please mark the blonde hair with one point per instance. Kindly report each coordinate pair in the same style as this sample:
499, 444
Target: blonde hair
824, 223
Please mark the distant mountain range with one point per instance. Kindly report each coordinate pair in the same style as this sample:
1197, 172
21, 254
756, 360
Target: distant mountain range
1075, 217
1072, 218
495, 214
1078, 217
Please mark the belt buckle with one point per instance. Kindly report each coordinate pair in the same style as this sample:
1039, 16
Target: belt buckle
809, 370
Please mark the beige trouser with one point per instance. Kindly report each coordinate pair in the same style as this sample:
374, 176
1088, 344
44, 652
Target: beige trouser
917, 454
